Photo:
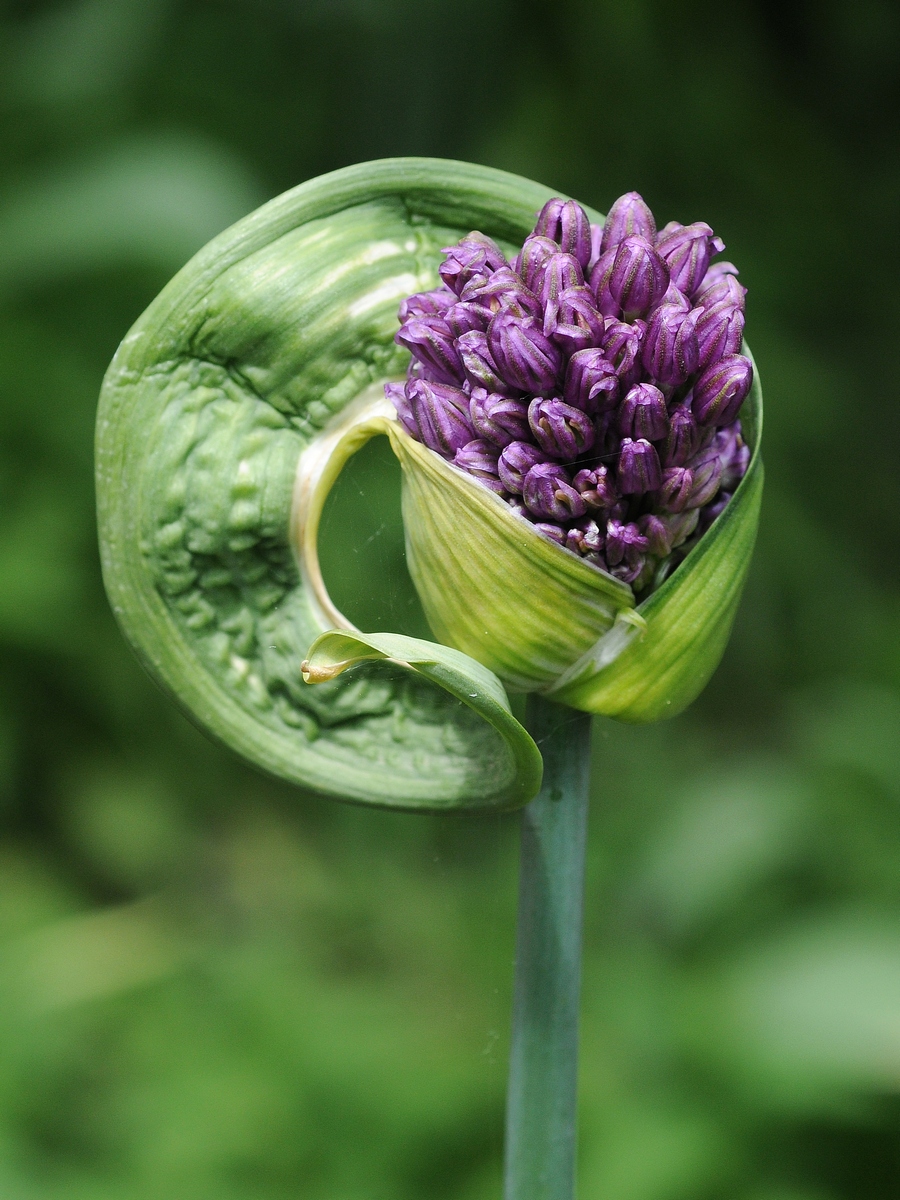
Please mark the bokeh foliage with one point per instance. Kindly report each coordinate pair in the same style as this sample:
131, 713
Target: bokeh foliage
215, 987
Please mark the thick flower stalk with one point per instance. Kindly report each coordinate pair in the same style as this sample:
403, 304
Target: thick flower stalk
594, 383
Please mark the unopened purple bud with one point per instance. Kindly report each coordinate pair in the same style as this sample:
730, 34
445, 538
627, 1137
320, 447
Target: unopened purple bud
591, 381
629, 216
585, 537
720, 329
567, 224
677, 297
734, 455
707, 472
515, 461
675, 489
721, 389
597, 487
548, 493
656, 531
643, 413
682, 525
577, 325
478, 362
722, 287
687, 252
639, 276
426, 304
621, 343
624, 542
670, 352
532, 261
396, 393
638, 468
526, 358
463, 317
551, 531
716, 274
596, 240
475, 255
682, 439
600, 275
441, 415
561, 271
499, 419
479, 458
431, 343
501, 291
559, 429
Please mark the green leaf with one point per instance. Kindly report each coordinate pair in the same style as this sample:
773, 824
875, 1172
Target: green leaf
236, 374
515, 768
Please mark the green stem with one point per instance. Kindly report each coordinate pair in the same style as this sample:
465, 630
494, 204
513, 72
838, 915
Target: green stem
541, 1118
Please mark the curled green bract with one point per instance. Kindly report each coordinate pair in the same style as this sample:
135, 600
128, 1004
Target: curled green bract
225, 418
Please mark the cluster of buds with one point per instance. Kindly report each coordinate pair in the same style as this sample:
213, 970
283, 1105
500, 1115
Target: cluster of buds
594, 383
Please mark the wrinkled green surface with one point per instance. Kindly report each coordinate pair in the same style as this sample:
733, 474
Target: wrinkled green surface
217, 987
260, 341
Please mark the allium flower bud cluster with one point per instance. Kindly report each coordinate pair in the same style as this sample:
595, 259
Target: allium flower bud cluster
594, 383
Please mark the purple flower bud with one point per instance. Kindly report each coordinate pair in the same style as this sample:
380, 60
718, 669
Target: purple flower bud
706, 468
597, 487
600, 275
479, 458
474, 255
682, 439
682, 525
532, 261
426, 304
551, 531
559, 429
502, 291
561, 271
478, 362
608, 440
441, 415
624, 542
596, 240
628, 217
643, 413
431, 343
639, 276
577, 325
656, 531
716, 274
669, 351
638, 468
675, 489
525, 357
720, 328
585, 537
677, 297
463, 317
396, 393
567, 224
621, 343
734, 455
687, 252
721, 389
591, 381
498, 419
516, 460
722, 287
548, 493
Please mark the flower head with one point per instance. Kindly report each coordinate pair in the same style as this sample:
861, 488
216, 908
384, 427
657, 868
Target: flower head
598, 373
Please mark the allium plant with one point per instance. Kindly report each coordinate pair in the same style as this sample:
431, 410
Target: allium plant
594, 383
577, 422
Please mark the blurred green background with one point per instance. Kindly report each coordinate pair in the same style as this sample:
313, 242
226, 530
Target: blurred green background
215, 988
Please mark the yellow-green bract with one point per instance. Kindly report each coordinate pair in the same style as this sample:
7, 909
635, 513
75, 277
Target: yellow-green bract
225, 417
